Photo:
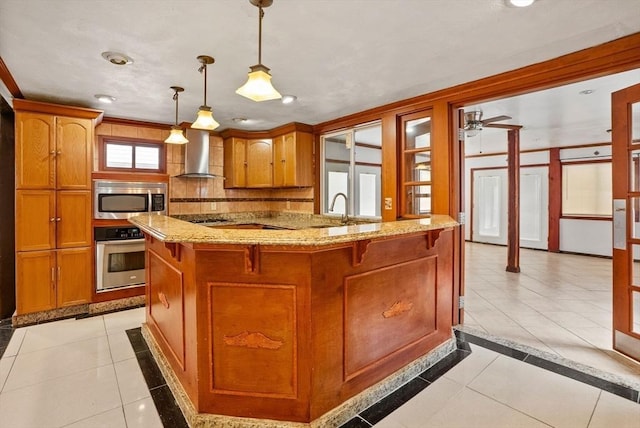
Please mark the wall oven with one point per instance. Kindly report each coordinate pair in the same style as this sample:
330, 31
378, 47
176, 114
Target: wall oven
120, 258
121, 199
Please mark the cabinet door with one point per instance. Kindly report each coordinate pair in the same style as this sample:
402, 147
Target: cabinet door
259, 163
293, 160
73, 218
35, 148
74, 144
235, 162
35, 281
35, 220
73, 276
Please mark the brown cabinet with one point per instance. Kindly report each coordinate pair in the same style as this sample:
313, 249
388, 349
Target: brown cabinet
50, 279
293, 160
54, 157
248, 163
53, 152
285, 161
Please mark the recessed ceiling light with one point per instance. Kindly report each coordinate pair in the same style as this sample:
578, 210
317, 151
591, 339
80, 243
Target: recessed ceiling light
117, 58
108, 99
586, 92
288, 99
520, 3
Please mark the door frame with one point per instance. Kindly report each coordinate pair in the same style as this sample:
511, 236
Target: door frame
625, 340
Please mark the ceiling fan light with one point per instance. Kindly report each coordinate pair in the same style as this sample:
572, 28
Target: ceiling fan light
205, 120
176, 136
472, 132
521, 3
258, 87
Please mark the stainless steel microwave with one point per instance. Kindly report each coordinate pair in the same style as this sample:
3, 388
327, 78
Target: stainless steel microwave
123, 199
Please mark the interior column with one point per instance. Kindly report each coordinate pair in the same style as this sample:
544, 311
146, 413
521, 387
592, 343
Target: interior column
513, 204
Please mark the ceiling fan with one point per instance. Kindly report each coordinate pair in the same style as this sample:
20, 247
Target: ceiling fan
473, 122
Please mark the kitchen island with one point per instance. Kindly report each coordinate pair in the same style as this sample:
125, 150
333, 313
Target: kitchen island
304, 325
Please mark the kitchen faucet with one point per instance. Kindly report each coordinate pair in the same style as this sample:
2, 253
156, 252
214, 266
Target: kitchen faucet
345, 216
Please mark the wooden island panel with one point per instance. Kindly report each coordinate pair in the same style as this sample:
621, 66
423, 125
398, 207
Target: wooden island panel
291, 332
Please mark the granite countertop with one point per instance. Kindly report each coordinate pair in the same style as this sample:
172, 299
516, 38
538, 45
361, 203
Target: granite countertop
284, 228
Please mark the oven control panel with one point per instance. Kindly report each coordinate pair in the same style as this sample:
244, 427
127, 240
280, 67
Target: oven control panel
117, 233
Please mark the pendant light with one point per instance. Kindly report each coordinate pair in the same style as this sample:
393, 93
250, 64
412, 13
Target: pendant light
258, 86
176, 136
205, 118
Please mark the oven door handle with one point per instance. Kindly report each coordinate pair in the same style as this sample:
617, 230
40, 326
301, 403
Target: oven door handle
122, 242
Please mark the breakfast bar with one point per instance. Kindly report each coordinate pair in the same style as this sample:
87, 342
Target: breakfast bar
289, 320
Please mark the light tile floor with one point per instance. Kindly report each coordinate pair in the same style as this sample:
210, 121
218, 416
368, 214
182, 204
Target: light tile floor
75, 373
83, 373
491, 390
558, 303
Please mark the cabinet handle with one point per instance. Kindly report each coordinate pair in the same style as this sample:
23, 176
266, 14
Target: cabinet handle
59, 152
58, 219
53, 152
52, 219
53, 275
58, 273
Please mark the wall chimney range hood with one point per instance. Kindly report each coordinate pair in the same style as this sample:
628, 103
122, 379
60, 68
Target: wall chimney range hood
196, 155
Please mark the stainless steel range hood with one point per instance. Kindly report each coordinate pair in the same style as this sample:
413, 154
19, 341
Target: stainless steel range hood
196, 156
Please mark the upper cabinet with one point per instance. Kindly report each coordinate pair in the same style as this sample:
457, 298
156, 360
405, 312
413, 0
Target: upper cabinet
292, 160
53, 150
415, 196
285, 160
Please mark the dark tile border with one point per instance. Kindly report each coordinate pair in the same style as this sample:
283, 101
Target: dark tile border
614, 388
171, 415
166, 405
6, 331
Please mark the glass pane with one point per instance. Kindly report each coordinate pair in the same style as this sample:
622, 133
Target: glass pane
147, 157
530, 206
122, 262
587, 189
368, 185
634, 206
335, 147
418, 199
634, 169
635, 312
635, 123
368, 155
371, 135
635, 266
418, 133
418, 166
489, 212
337, 182
119, 156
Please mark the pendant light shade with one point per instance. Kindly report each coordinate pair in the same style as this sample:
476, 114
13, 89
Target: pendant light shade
258, 86
176, 136
205, 120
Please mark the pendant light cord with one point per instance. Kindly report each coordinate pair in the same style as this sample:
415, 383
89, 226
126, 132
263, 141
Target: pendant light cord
175, 97
260, 16
202, 68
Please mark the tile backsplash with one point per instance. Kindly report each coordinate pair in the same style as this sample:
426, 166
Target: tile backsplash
208, 195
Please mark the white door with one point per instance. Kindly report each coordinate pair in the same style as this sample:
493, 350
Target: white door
534, 207
489, 189
490, 220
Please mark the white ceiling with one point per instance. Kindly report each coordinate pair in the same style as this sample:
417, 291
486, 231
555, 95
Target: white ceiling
337, 56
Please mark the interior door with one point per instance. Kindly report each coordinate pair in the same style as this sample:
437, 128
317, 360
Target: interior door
534, 207
490, 206
626, 217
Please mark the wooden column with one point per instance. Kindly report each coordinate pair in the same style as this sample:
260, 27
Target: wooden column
555, 196
513, 204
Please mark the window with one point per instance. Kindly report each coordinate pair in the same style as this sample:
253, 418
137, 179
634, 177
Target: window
352, 165
586, 189
135, 156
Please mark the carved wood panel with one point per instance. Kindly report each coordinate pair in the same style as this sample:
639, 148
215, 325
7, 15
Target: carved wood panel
165, 298
386, 310
253, 339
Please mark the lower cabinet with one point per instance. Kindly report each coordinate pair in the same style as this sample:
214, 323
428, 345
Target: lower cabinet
52, 279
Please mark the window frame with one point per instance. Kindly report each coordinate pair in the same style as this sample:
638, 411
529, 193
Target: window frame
103, 141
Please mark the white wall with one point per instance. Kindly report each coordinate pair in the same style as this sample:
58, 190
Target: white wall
579, 236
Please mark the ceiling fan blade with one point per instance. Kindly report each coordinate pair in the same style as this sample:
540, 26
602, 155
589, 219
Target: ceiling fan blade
502, 126
495, 119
